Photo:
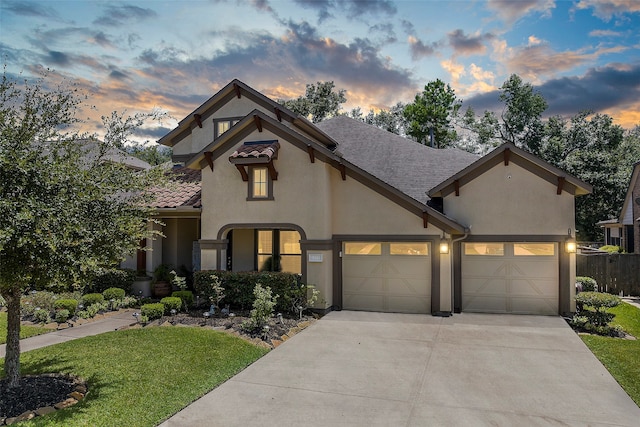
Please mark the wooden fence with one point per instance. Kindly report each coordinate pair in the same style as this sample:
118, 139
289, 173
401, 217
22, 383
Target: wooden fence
615, 273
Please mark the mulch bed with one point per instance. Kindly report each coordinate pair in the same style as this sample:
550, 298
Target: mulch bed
34, 392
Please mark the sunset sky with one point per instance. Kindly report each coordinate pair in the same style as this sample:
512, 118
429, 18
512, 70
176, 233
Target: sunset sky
173, 55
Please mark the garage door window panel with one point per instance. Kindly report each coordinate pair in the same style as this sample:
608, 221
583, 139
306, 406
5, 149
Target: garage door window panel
410, 249
363, 248
534, 249
484, 249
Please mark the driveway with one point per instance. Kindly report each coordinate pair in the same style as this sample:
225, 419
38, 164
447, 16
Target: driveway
377, 369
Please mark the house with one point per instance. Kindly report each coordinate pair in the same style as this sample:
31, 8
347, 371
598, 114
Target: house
376, 222
624, 231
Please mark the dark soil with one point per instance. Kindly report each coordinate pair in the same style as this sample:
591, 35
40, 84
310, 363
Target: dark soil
33, 392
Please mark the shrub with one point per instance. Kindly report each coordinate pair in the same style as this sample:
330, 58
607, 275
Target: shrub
113, 278
262, 311
2, 301
171, 303
83, 314
586, 284
612, 249
152, 311
238, 287
186, 297
41, 316
37, 299
89, 299
93, 309
592, 312
62, 315
129, 301
66, 304
113, 293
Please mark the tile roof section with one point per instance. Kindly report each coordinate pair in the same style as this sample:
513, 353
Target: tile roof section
404, 164
268, 149
184, 192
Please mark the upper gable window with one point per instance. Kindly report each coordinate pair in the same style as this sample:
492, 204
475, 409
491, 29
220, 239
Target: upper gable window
220, 126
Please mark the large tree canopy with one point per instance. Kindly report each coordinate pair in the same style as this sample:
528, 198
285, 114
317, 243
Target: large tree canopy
67, 206
433, 111
319, 102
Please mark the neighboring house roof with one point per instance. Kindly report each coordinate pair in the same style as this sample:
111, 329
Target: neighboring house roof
116, 156
410, 167
506, 153
609, 223
185, 192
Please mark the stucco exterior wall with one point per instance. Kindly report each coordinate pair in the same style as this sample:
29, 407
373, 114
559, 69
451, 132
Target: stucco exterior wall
300, 194
510, 200
358, 209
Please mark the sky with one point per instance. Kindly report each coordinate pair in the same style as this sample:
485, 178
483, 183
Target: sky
136, 56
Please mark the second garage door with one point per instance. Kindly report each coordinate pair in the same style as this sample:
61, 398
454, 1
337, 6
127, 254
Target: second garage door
508, 277
387, 276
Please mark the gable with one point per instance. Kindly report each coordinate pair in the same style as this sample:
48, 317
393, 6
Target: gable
257, 123
508, 153
626, 214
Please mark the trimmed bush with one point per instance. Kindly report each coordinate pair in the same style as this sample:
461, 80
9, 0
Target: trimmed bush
40, 299
62, 315
152, 311
612, 249
113, 278
66, 304
238, 287
113, 293
171, 303
90, 299
586, 284
592, 312
186, 297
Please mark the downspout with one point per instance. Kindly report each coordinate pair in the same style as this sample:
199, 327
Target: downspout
467, 230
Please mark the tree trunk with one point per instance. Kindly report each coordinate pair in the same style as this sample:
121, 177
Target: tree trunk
12, 357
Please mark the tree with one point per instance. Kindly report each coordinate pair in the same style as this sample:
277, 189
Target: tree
153, 154
432, 111
391, 120
64, 210
591, 147
522, 114
319, 102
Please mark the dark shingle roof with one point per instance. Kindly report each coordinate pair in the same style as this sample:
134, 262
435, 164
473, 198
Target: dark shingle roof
184, 192
404, 164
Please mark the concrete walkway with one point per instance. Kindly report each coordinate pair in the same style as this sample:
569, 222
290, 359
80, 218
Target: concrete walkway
110, 322
375, 369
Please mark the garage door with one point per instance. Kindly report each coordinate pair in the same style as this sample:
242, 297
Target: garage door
510, 277
386, 276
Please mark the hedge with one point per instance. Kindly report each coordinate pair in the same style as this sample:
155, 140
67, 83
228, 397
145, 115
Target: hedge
113, 293
90, 299
171, 303
152, 311
586, 284
186, 297
238, 287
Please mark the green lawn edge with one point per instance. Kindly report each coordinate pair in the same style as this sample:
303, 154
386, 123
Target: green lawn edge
25, 331
621, 357
140, 376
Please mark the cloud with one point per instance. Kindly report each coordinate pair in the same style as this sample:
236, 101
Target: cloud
606, 9
30, 9
464, 44
614, 87
384, 33
604, 33
58, 58
351, 8
456, 70
419, 49
115, 16
511, 11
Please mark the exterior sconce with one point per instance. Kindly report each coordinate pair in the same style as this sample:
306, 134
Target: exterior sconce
570, 244
444, 246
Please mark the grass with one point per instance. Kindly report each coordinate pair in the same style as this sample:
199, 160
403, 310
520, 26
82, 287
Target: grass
140, 376
25, 331
621, 357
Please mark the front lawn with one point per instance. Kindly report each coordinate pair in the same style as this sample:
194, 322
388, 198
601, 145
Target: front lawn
140, 376
25, 331
620, 356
